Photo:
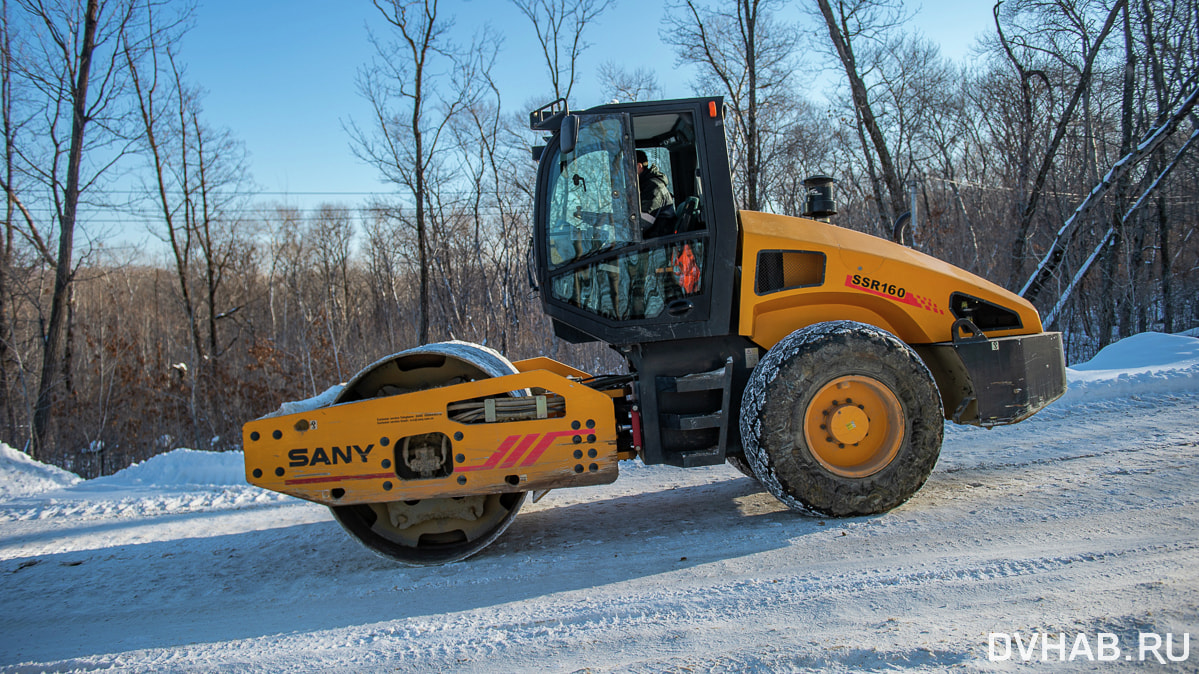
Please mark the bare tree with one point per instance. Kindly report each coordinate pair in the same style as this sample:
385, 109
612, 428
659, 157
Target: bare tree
164, 114
953, 142
1090, 48
385, 275
849, 23
478, 132
8, 360
559, 25
76, 69
805, 149
196, 174
413, 100
223, 179
1170, 39
749, 56
330, 231
619, 84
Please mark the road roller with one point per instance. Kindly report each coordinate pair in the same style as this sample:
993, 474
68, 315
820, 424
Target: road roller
820, 361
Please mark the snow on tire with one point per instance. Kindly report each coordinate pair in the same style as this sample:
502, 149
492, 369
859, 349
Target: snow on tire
841, 419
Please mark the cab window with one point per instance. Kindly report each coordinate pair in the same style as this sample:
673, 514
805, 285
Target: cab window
668, 141
591, 209
635, 285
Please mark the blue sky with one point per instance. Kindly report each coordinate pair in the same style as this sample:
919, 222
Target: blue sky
280, 74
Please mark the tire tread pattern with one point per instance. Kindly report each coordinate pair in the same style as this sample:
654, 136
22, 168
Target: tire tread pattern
791, 372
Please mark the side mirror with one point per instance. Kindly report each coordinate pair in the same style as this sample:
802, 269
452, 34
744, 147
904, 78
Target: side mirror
569, 133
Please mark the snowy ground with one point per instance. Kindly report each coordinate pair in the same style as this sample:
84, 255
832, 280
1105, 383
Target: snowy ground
1082, 521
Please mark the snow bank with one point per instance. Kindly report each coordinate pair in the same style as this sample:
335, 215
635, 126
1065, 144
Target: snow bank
22, 476
1148, 363
178, 468
1146, 351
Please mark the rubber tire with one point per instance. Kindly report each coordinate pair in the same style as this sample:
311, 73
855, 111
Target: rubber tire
789, 376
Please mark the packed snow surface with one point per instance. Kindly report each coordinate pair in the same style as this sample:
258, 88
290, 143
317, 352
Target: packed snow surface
1081, 521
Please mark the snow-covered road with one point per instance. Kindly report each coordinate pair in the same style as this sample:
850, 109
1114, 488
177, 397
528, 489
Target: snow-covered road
1082, 521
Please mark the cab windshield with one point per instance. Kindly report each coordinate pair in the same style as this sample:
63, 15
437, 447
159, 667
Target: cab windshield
591, 208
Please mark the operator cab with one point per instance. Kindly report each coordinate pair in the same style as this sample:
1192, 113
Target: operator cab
607, 270
659, 287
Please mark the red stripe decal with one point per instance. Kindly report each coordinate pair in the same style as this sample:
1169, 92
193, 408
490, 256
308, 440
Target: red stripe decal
546, 441
520, 449
494, 459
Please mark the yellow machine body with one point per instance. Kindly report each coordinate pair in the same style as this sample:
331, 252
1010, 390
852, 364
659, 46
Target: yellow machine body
349, 454
1003, 373
831, 273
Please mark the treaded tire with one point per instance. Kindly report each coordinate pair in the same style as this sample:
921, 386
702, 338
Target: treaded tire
788, 382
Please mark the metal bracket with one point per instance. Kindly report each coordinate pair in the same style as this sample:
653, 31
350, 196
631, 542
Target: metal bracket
961, 410
549, 116
976, 335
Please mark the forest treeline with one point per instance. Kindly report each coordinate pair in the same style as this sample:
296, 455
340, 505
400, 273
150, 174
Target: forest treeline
1068, 136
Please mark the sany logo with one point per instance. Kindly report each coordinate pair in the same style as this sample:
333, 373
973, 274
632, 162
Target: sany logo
300, 457
514, 447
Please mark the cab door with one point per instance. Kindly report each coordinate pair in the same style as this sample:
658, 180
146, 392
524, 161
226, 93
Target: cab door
607, 272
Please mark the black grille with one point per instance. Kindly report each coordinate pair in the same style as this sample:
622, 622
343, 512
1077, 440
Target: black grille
788, 269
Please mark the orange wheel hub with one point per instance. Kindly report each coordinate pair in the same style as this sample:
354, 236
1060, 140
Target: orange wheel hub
854, 426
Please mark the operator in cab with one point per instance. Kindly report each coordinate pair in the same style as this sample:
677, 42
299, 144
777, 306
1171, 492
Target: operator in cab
656, 201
